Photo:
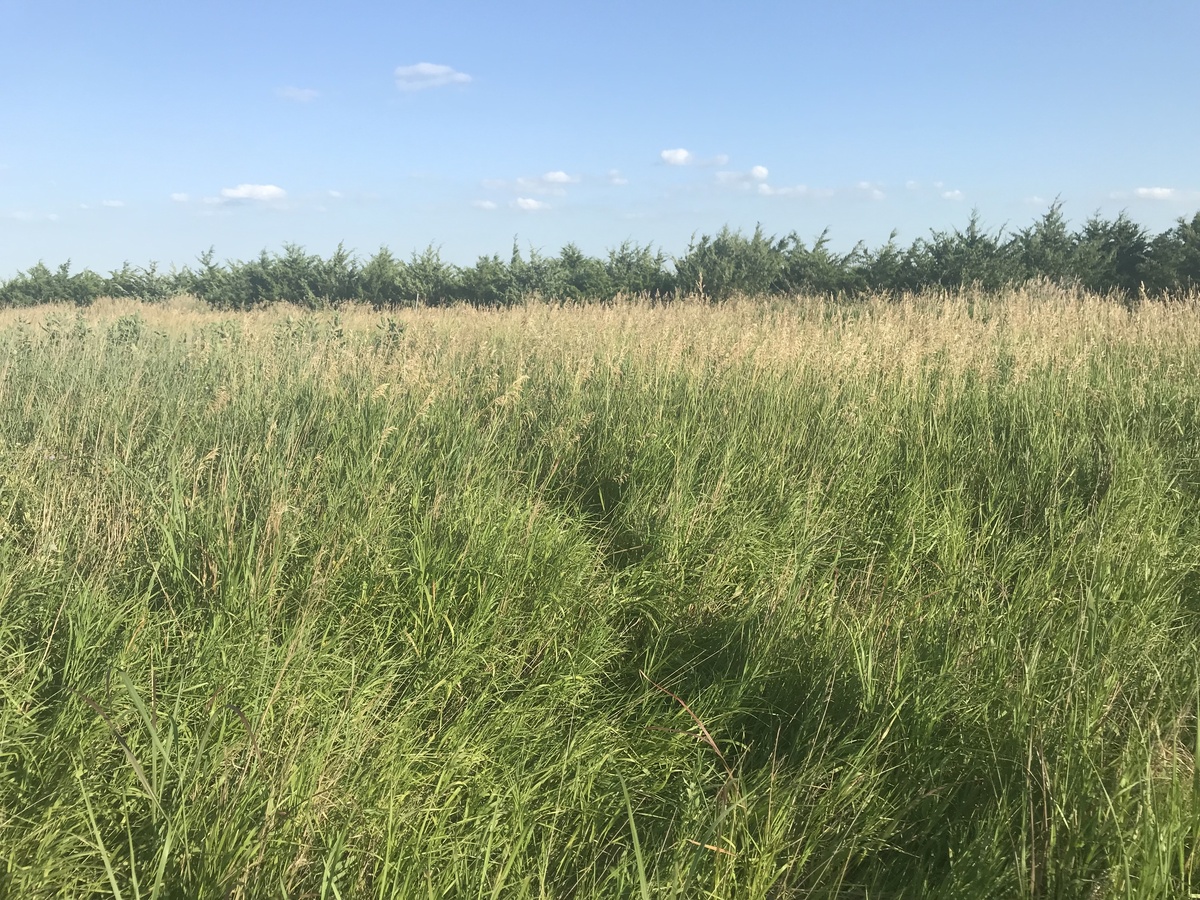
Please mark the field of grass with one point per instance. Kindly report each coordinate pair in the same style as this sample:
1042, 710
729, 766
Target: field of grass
761, 600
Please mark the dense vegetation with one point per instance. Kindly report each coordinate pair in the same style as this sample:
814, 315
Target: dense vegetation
1109, 257
797, 599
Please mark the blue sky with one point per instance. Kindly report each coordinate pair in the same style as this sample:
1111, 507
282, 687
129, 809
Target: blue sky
153, 130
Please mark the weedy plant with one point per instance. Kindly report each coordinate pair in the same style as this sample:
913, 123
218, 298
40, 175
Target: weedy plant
790, 598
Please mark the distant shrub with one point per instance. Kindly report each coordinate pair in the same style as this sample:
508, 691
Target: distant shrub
41, 285
1112, 257
145, 284
1046, 248
730, 263
818, 270
635, 269
1104, 256
1173, 262
383, 281
582, 277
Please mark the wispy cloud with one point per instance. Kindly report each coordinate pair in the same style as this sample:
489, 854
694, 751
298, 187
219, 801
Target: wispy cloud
1156, 193
22, 215
529, 204
484, 204
552, 183
113, 204
426, 75
952, 195
757, 175
616, 178
298, 94
872, 190
261, 193
241, 194
681, 157
799, 190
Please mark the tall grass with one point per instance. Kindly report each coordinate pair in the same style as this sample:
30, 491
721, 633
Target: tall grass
790, 599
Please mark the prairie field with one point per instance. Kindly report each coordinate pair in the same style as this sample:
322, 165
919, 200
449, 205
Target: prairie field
779, 598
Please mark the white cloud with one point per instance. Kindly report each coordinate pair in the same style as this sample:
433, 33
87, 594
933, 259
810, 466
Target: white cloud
529, 204
952, 195
766, 190
336, 195
1034, 200
484, 204
1155, 193
113, 204
260, 192
681, 157
551, 183
616, 178
428, 75
874, 191
179, 197
538, 186
745, 180
298, 95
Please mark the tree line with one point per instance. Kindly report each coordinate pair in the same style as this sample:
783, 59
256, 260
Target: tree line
1104, 256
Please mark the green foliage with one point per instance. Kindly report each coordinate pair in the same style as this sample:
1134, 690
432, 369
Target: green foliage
431, 280
1104, 256
294, 276
1174, 259
126, 330
489, 283
582, 277
383, 281
817, 270
1112, 256
537, 276
1046, 249
730, 263
968, 258
144, 284
636, 270
41, 285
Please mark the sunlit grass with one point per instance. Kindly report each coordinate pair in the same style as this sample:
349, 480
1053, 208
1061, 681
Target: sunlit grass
785, 599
